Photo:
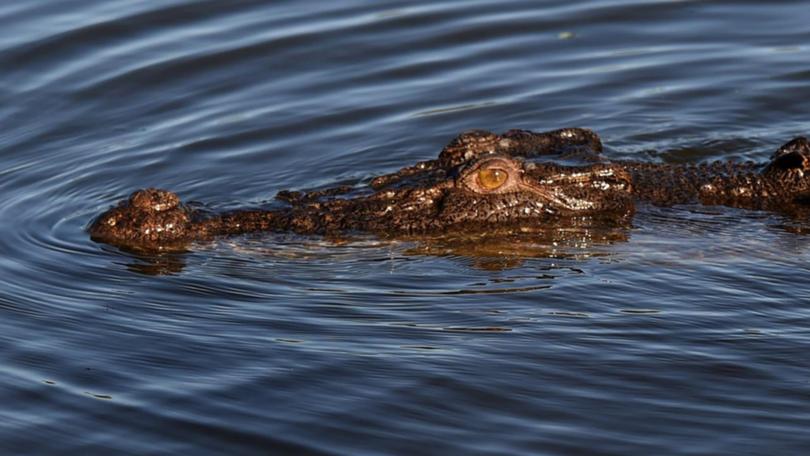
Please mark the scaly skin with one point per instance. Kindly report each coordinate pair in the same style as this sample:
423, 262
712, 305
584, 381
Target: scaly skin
780, 185
480, 181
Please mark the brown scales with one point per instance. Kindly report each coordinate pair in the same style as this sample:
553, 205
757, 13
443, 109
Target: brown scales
536, 185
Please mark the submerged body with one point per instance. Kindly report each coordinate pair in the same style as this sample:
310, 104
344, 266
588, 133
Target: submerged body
479, 181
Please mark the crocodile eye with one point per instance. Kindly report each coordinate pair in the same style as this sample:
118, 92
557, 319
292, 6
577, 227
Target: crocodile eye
493, 175
492, 178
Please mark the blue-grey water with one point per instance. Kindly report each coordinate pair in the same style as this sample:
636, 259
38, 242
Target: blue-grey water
687, 333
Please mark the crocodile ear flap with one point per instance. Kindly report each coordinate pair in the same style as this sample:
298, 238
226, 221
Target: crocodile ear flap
794, 155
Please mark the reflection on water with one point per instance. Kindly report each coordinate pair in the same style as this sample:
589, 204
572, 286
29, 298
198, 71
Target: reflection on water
496, 249
684, 322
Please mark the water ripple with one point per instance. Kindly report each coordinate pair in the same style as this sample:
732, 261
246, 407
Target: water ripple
689, 322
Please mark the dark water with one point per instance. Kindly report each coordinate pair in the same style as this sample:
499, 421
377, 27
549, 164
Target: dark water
688, 333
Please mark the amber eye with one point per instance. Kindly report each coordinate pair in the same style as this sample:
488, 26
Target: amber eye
492, 178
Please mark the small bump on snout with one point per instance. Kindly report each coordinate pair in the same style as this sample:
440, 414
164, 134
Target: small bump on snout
154, 199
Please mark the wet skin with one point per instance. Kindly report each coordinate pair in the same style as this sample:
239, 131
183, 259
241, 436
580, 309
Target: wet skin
480, 181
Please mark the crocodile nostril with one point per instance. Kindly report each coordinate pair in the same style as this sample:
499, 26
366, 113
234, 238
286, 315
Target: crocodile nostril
153, 199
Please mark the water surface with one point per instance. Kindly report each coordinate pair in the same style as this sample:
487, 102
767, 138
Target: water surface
685, 333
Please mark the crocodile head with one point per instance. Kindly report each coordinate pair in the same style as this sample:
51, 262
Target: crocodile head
480, 182
489, 192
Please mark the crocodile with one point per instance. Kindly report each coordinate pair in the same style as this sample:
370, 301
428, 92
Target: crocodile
480, 181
